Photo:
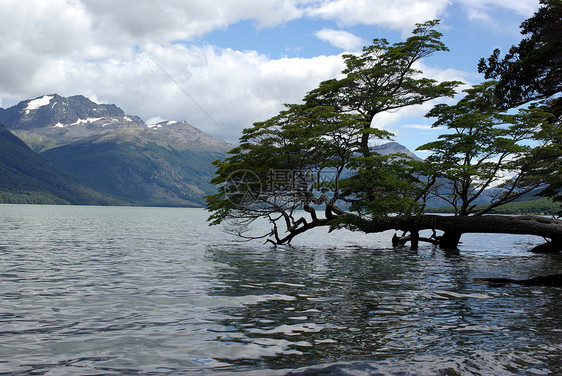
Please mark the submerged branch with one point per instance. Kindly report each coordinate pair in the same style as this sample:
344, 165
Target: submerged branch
548, 280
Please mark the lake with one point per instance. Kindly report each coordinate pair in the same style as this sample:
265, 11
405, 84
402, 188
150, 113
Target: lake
122, 290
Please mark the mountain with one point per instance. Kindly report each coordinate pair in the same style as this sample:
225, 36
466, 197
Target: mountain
442, 185
86, 144
393, 148
28, 178
164, 164
149, 166
59, 112
52, 120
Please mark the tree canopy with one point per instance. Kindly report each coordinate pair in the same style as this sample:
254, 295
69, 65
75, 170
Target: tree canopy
314, 163
485, 151
532, 70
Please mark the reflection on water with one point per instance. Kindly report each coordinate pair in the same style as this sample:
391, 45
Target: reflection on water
147, 290
390, 311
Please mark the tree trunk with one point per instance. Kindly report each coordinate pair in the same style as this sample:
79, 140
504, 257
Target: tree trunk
552, 246
454, 226
450, 239
415, 240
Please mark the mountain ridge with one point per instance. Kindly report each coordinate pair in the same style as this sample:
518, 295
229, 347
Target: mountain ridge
119, 155
164, 164
51, 120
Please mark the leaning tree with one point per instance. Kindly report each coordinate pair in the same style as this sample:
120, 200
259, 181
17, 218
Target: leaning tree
313, 164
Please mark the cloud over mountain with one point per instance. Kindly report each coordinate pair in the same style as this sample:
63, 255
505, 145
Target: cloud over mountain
111, 51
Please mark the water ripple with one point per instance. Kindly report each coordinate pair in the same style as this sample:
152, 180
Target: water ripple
155, 291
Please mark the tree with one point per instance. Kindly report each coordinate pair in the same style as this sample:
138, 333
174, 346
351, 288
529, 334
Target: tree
312, 165
485, 152
487, 148
384, 78
532, 70
549, 153
297, 160
326, 137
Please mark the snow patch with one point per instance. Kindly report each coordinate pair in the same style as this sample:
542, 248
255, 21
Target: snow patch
37, 103
158, 122
127, 119
59, 125
84, 121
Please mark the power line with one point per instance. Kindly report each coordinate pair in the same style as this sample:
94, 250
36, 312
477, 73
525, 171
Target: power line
192, 99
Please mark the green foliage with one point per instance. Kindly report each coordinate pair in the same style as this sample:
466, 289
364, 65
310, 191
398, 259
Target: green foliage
533, 69
383, 184
324, 145
483, 144
548, 154
280, 162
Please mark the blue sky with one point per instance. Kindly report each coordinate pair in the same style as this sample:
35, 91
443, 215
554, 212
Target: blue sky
239, 60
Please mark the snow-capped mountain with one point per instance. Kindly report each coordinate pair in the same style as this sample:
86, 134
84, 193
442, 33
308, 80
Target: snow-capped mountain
50, 121
181, 135
169, 163
60, 112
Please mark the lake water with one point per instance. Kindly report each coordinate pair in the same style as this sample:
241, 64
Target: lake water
117, 290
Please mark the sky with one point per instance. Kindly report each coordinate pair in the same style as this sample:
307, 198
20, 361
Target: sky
222, 65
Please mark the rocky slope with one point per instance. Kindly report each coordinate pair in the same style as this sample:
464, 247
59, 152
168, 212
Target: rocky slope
28, 178
168, 163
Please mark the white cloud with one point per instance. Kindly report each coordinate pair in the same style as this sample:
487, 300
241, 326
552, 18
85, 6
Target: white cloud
395, 14
103, 49
449, 74
341, 39
236, 88
482, 9
185, 19
43, 27
424, 127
